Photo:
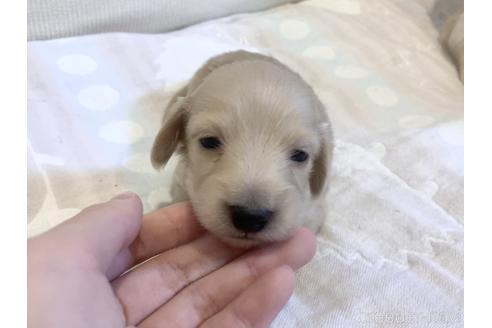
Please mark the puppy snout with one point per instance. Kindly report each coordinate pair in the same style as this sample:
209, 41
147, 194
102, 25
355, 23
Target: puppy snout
248, 219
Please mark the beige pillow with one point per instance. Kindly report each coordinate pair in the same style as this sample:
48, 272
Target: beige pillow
47, 19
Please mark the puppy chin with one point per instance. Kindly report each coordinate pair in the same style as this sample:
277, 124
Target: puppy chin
254, 240
244, 243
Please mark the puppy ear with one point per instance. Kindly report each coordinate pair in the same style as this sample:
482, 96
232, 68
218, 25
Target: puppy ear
171, 132
322, 162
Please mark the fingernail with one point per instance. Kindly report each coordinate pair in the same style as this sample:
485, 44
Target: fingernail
125, 195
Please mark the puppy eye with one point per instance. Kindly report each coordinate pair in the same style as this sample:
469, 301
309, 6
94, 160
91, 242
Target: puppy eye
299, 156
210, 142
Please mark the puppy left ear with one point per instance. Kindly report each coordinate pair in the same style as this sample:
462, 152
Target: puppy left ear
320, 172
171, 132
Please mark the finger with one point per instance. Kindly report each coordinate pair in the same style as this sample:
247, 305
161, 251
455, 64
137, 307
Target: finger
98, 233
153, 283
212, 293
258, 305
164, 229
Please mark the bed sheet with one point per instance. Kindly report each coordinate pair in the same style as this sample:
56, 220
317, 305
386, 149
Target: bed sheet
391, 251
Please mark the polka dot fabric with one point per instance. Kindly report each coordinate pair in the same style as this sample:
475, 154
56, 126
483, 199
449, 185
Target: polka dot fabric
98, 97
395, 221
77, 64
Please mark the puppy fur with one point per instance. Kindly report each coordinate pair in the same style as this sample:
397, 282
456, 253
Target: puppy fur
261, 111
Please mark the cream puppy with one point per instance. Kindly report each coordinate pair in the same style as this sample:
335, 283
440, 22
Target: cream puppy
255, 147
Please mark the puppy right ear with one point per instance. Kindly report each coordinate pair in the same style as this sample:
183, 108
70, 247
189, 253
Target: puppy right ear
322, 163
170, 134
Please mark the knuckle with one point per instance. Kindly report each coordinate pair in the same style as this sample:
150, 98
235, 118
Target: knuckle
239, 319
204, 302
251, 268
179, 272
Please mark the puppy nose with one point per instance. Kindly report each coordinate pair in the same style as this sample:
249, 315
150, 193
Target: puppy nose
249, 219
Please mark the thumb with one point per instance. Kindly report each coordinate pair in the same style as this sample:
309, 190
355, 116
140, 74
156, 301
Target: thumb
100, 231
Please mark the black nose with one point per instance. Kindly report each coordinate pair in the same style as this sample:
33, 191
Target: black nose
249, 219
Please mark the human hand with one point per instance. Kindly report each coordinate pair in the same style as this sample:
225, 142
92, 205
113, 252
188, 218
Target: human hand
77, 272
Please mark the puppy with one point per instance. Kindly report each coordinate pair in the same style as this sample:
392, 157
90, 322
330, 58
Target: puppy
255, 147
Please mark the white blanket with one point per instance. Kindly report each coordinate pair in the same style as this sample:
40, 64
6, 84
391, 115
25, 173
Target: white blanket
391, 251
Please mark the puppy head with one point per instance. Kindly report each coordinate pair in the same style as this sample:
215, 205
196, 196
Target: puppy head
257, 146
